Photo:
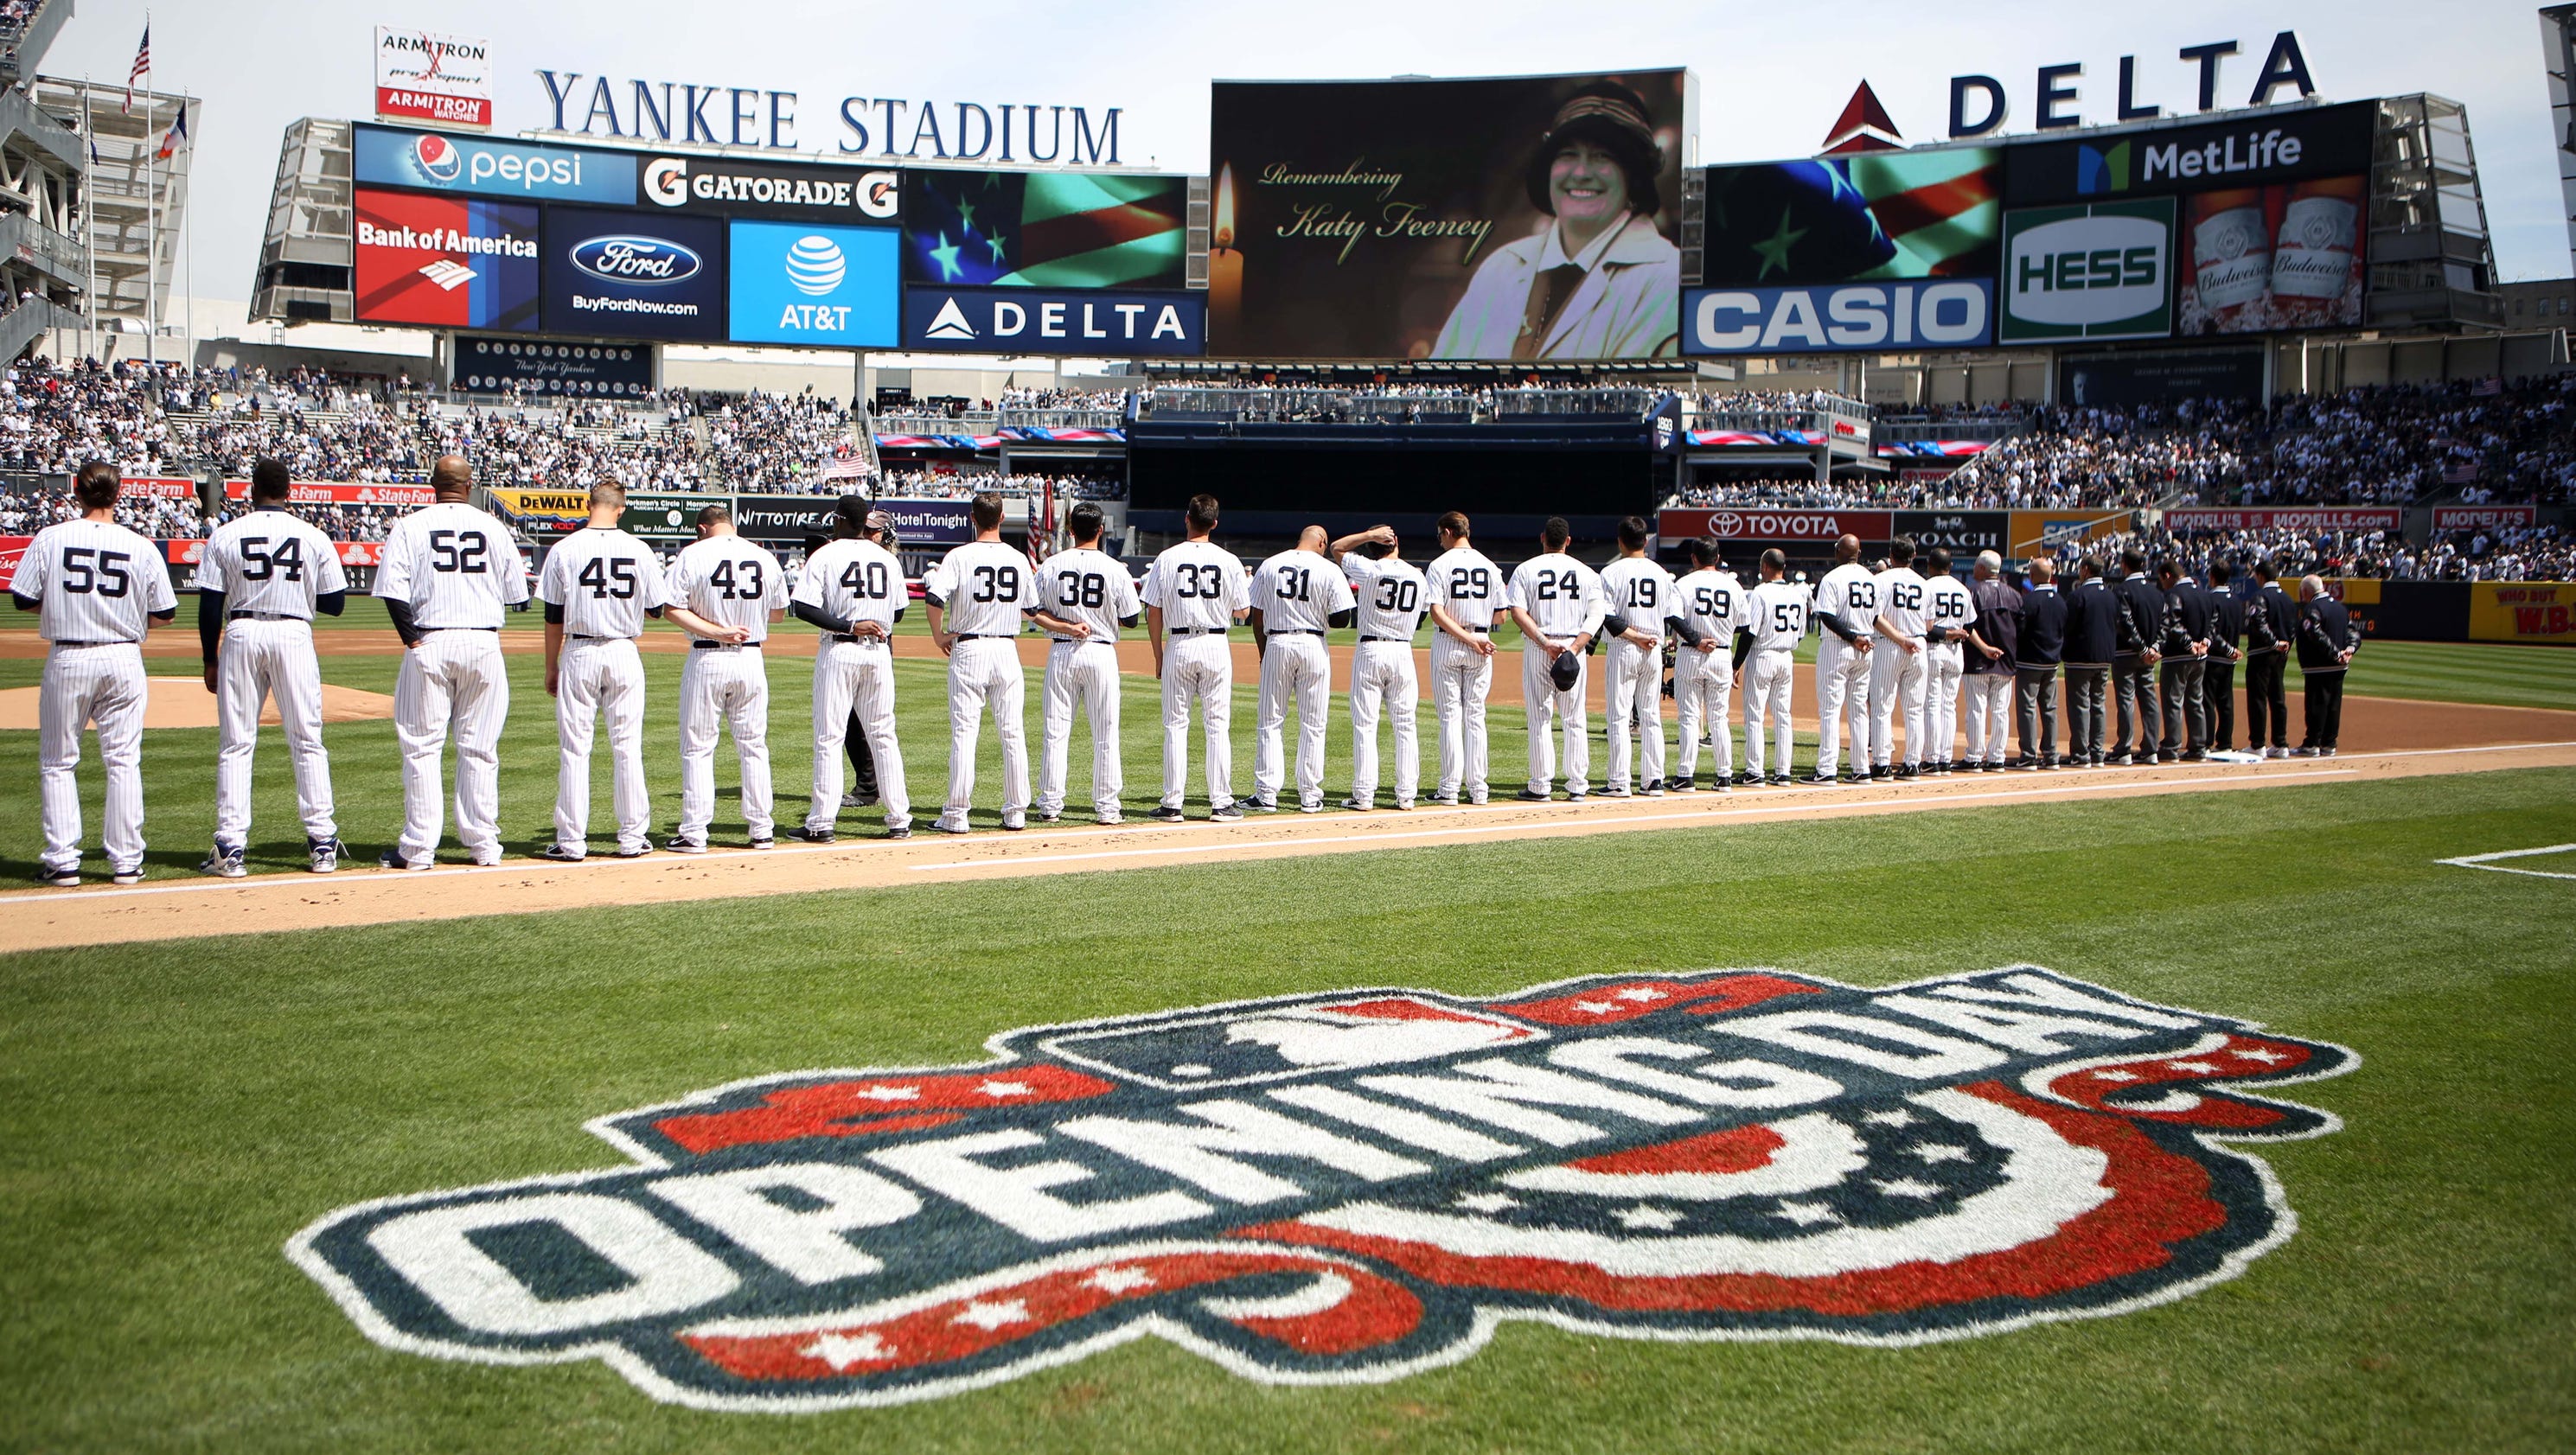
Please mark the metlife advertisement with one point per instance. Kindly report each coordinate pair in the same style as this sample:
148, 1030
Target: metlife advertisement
443, 161
821, 287
634, 274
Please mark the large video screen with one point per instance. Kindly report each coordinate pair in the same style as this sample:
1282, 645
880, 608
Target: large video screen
1065, 230
1531, 217
1925, 214
2261, 259
444, 262
634, 274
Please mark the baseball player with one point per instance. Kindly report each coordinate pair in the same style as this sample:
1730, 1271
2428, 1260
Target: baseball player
1295, 595
1948, 608
1556, 601
1990, 672
1709, 607
1194, 593
598, 585
852, 591
447, 573
1390, 594
1896, 666
1776, 613
1639, 595
97, 588
1085, 597
259, 582
726, 593
1846, 607
1465, 592
979, 595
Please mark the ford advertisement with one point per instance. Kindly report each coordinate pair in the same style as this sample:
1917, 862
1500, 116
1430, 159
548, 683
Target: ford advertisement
634, 274
445, 161
822, 287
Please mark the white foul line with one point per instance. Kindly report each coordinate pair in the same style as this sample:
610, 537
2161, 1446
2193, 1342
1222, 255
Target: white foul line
2486, 861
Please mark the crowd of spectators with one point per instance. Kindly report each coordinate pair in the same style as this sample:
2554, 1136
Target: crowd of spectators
1771, 401
960, 484
2509, 553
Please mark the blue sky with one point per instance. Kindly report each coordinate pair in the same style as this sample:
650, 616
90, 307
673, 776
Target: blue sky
1772, 76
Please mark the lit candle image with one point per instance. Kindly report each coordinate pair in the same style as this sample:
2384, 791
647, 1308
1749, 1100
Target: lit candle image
1225, 267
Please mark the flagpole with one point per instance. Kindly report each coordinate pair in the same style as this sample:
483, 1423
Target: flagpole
188, 243
89, 227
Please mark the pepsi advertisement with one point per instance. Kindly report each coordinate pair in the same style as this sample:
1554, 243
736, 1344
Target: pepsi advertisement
441, 161
1045, 321
634, 274
819, 287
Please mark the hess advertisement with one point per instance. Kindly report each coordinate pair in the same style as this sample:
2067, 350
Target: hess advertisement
634, 274
444, 262
1529, 217
2272, 258
2100, 270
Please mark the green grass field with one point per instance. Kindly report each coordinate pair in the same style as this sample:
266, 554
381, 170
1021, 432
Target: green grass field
171, 1113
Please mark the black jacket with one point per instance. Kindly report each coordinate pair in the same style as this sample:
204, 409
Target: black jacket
2226, 625
2142, 613
2040, 635
1998, 623
2187, 616
2092, 624
2325, 629
2271, 620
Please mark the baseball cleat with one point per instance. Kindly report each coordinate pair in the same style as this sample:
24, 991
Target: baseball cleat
1478, 800
1818, 780
2303, 752
1404, 805
857, 798
324, 854
636, 852
58, 878
1686, 785
226, 861
946, 826
1165, 813
393, 859
764, 842
1228, 813
900, 831
1615, 790
558, 854
1259, 803
1881, 772
1109, 818
1050, 818
2024, 765
1532, 795
679, 845
2325, 752
1721, 787
1577, 795
2194, 755
1353, 805
1445, 800
1013, 823
127, 876
813, 836
1779, 780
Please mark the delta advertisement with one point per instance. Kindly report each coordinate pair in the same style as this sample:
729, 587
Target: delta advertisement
545, 367
424, 75
1030, 321
444, 262
821, 287
1532, 217
634, 274
1060, 230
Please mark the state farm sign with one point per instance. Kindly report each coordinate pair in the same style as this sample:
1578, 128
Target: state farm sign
1775, 525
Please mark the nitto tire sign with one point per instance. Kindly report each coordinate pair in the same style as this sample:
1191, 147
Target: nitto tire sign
2101, 270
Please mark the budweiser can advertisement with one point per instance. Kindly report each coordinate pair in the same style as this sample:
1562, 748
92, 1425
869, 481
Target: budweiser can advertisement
2287, 256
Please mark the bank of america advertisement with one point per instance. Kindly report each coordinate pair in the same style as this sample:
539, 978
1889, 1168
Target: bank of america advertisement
1530, 217
2097, 270
444, 262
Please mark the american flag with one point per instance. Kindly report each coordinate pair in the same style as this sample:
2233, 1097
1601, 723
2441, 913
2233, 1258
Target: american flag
142, 67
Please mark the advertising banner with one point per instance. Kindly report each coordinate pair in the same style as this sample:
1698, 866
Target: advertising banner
931, 522
667, 517
189, 553
437, 161
2540, 613
2259, 259
2254, 149
634, 274
2034, 531
1775, 525
1033, 321
1956, 314
159, 487
1529, 217
790, 191
1963, 532
12, 550
543, 512
2291, 517
1926, 214
803, 283
589, 371
2100, 270
788, 518
2159, 376
423, 75
444, 262
341, 492
1064, 230
2483, 517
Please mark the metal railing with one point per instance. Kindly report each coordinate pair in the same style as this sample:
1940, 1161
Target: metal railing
1062, 418
972, 421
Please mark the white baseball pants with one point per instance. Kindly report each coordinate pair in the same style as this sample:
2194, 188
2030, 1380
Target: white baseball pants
724, 688
83, 686
1895, 695
1942, 667
452, 684
596, 679
260, 660
1461, 676
1633, 681
1768, 683
1085, 674
1294, 668
984, 675
1990, 715
855, 677
1703, 691
1382, 679
1565, 713
1842, 694
1198, 670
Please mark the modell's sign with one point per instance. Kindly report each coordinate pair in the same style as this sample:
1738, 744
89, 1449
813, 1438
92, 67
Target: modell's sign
423, 75
2483, 517
2308, 518
1774, 525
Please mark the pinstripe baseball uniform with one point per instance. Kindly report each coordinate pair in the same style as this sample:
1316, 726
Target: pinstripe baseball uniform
1085, 586
1896, 674
458, 570
731, 582
1198, 586
1714, 604
97, 587
1778, 611
1564, 595
1948, 606
1297, 593
1641, 594
271, 568
985, 590
1849, 595
1470, 587
854, 581
602, 583
1390, 605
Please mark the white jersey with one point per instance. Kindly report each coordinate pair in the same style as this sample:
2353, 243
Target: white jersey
1198, 586
729, 581
1090, 587
1849, 594
1561, 592
456, 566
272, 562
854, 580
983, 589
605, 580
1778, 615
1299, 591
1391, 596
1640, 593
98, 582
1900, 600
1714, 604
1467, 585
1948, 603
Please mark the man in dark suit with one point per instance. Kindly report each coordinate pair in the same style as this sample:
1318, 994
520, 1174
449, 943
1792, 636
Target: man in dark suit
2133, 665
2092, 636
2039, 641
1993, 640
2226, 629
2271, 624
2184, 649
2327, 640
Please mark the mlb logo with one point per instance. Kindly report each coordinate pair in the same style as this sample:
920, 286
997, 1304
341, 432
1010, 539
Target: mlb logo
1273, 1042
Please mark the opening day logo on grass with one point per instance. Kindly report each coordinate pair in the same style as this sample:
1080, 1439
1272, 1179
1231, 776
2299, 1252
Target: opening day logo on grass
1355, 1186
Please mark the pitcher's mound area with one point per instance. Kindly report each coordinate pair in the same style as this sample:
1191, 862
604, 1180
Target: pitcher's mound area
184, 702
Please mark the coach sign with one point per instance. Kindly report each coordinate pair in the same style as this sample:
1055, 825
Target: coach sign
1774, 525
1960, 531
